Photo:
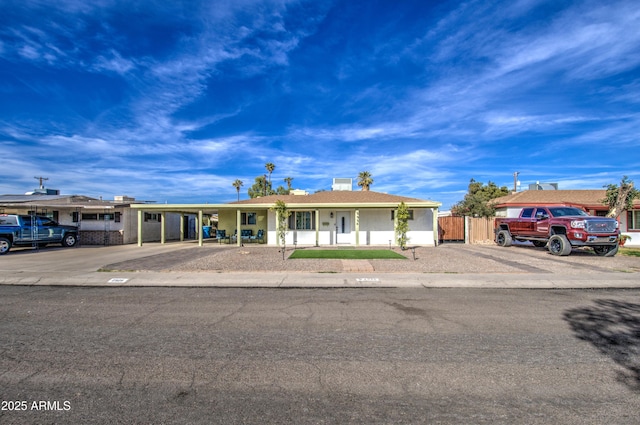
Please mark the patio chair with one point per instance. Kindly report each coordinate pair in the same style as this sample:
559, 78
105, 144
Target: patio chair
259, 237
246, 234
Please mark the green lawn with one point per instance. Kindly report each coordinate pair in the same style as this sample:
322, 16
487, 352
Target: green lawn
347, 254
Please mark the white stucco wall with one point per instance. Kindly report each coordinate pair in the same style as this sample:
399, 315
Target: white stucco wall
376, 228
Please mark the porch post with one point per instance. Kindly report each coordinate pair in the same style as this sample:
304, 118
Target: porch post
395, 226
436, 230
199, 228
277, 228
140, 212
357, 227
238, 223
317, 227
181, 227
163, 234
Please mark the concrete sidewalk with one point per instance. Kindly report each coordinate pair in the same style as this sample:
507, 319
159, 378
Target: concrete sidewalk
81, 267
320, 280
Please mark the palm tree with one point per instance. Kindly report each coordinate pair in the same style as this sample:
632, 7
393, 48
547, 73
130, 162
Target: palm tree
288, 181
238, 184
270, 167
365, 180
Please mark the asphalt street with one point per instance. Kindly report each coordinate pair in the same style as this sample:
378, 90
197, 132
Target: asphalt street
318, 356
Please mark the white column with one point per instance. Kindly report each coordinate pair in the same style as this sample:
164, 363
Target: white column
317, 227
238, 223
140, 212
436, 229
357, 217
163, 228
199, 228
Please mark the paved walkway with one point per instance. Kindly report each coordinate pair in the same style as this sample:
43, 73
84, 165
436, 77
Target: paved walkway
357, 266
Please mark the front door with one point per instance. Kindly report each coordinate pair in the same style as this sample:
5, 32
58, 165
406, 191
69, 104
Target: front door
343, 225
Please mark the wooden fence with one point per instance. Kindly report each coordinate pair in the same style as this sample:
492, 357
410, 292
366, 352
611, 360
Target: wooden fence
471, 230
480, 230
451, 229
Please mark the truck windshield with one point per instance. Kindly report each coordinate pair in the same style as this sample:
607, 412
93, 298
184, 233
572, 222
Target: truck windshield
566, 211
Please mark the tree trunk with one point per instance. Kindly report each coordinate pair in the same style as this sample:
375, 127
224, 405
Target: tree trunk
621, 201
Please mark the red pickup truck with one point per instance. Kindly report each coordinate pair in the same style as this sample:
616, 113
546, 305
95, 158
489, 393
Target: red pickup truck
560, 228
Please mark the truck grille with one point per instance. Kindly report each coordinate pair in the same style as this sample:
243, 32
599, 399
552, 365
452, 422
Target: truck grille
601, 226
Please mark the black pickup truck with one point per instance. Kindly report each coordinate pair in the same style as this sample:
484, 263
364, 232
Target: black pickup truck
28, 230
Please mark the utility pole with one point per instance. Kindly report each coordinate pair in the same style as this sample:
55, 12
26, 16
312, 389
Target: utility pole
515, 181
41, 179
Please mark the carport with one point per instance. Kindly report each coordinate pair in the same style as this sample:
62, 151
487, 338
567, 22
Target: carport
183, 209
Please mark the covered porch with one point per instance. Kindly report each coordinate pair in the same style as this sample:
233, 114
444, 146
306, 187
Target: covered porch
308, 224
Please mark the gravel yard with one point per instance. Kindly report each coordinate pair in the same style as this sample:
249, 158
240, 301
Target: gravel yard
447, 258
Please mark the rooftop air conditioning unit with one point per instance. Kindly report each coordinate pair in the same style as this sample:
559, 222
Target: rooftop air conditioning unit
342, 184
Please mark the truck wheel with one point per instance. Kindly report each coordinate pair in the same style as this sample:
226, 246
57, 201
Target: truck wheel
69, 240
559, 245
606, 250
5, 245
504, 238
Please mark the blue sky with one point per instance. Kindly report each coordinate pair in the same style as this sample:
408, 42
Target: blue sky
172, 101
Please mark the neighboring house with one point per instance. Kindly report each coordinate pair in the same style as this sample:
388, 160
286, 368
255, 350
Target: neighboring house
325, 218
589, 200
99, 222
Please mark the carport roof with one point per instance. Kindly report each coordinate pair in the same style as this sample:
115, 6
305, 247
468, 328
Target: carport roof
57, 201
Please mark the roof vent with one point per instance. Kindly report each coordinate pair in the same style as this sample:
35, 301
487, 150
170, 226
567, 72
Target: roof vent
342, 184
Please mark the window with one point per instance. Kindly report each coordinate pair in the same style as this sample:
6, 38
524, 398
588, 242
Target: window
541, 214
527, 213
302, 220
633, 220
8, 221
89, 216
105, 217
152, 217
46, 222
566, 211
248, 218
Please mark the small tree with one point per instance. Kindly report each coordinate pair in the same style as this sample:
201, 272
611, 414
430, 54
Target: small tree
402, 225
282, 222
477, 202
620, 198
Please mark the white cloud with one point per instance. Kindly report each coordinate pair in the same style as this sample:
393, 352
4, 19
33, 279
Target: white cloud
114, 63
